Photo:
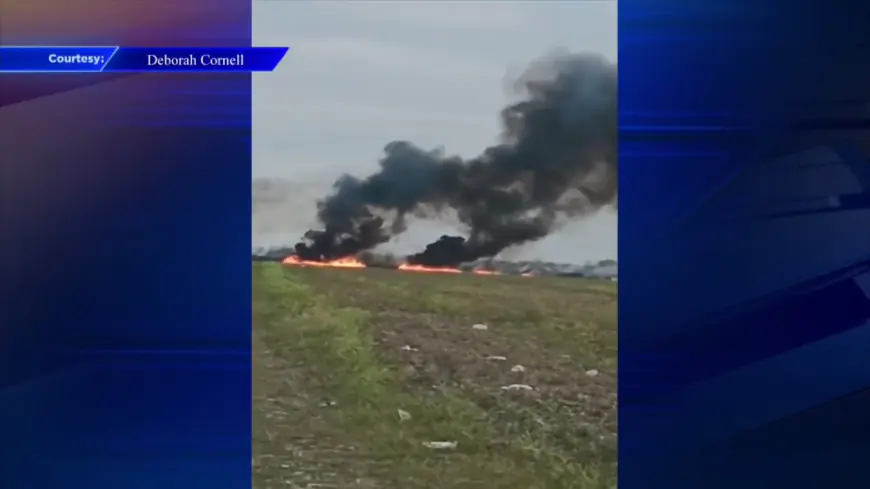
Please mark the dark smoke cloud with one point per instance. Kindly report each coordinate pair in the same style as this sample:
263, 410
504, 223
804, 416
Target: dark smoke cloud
557, 160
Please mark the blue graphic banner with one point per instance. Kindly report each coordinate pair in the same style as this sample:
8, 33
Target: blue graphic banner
744, 244
115, 59
125, 275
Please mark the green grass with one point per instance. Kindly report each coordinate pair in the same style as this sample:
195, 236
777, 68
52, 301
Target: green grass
332, 367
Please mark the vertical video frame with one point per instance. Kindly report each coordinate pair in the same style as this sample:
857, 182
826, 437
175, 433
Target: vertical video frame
434, 245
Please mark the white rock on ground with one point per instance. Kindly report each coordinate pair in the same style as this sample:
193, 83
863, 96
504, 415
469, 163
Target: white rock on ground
480, 327
403, 415
440, 445
518, 368
497, 358
592, 373
517, 387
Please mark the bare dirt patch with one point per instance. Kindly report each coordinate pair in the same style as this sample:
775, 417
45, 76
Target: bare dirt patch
574, 409
560, 332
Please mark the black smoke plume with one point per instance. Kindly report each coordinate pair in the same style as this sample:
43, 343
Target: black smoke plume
557, 160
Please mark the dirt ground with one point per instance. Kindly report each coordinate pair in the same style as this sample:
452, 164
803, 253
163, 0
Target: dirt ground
356, 370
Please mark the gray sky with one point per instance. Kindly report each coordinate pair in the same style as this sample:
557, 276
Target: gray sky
360, 74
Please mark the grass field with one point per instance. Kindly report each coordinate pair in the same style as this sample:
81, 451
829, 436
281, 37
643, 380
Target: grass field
338, 354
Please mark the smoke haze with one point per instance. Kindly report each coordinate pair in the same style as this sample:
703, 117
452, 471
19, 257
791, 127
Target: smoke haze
557, 161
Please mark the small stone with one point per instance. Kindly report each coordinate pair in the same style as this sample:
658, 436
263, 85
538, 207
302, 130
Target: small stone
518, 368
517, 387
480, 327
592, 373
440, 445
403, 415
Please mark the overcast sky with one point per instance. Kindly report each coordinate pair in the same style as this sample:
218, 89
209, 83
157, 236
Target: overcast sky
360, 74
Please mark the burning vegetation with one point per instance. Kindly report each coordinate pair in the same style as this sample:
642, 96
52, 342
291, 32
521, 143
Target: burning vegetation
352, 262
557, 161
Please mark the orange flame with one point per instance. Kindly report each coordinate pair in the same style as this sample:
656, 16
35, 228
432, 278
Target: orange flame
420, 268
350, 262
339, 263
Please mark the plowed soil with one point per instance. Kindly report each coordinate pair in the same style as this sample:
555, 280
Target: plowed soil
355, 370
